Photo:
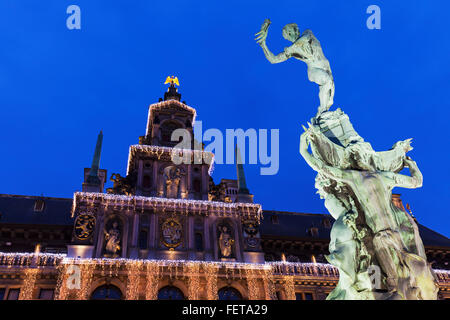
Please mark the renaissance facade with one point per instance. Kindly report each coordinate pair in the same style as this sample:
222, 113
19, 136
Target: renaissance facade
167, 231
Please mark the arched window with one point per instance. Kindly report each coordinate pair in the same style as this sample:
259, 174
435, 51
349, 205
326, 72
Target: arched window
107, 292
170, 293
229, 293
167, 128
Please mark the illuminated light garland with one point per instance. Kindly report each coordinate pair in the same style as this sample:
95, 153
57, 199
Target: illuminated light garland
189, 270
211, 270
289, 287
193, 280
134, 274
61, 291
244, 210
153, 274
269, 285
205, 156
86, 273
26, 292
252, 284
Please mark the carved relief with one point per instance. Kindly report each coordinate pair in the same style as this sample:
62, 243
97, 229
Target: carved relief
171, 233
84, 226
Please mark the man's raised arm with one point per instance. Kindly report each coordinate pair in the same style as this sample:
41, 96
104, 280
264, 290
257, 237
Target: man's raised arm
261, 40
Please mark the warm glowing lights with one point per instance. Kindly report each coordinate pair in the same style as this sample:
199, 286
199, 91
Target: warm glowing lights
259, 278
136, 203
26, 292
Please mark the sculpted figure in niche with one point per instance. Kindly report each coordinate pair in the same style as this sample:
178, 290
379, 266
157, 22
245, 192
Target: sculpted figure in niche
172, 177
112, 238
225, 242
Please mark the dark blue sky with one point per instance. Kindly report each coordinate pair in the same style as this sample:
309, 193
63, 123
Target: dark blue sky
59, 87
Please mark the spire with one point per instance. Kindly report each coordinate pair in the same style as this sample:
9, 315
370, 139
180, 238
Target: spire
242, 185
93, 173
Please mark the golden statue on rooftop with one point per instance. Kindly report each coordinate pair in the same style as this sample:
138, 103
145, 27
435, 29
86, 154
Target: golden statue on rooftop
172, 80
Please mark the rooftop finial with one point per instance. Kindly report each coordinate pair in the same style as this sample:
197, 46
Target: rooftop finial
172, 80
172, 92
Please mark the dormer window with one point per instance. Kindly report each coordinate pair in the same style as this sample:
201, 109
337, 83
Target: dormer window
326, 223
313, 232
39, 205
274, 219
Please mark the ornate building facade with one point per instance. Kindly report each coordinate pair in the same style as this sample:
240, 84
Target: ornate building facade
166, 231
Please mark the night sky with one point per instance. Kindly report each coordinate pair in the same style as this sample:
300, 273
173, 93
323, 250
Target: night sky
60, 87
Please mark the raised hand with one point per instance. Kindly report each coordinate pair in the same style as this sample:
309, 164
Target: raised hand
262, 34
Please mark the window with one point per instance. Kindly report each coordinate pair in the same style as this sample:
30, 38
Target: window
304, 296
2, 293
278, 295
326, 223
46, 294
146, 183
107, 292
274, 219
13, 294
198, 241
167, 128
170, 293
313, 231
39, 205
196, 185
143, 237
229, 293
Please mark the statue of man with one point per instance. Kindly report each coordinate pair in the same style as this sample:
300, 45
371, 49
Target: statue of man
307, 49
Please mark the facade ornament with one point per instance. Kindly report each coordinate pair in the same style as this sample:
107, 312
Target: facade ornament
171, 231
123, 185
84, 226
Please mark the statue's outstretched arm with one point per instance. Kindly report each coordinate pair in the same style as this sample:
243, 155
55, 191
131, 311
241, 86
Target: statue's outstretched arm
281, 57
261, 40
410, 182
320, 166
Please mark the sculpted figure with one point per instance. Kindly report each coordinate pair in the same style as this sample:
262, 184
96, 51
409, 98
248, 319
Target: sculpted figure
307, 49
173, 177
225, 242
112, 238
407, 274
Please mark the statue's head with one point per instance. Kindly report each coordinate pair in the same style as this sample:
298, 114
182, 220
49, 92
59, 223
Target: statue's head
291, 32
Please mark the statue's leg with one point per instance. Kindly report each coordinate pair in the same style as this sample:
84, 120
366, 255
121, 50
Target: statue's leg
326, 87
388, 253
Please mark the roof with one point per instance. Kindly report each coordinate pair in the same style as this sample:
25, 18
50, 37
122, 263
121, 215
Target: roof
16, 209
293, 225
